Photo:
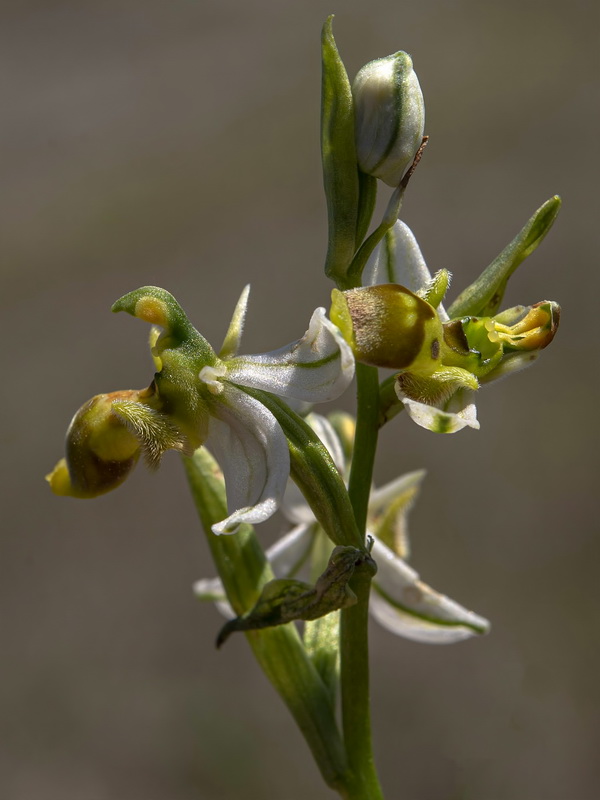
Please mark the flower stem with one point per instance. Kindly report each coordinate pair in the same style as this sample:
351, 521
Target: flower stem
243, 570
365, 442
354, 644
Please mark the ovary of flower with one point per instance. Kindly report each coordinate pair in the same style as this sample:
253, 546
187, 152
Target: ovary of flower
400, 601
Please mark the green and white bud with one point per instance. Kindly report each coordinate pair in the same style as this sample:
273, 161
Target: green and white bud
389, 117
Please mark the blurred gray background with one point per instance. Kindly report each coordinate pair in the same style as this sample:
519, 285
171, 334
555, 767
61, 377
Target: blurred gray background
177, 144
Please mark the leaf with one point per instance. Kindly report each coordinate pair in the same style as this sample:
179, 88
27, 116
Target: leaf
338, 153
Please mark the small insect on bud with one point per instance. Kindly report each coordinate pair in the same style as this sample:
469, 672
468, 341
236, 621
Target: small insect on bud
389, 326
389, 117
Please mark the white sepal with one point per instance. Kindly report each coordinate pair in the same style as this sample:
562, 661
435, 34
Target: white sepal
382, 497
288, 554
252, 451
316, 368
389, 507
406, 606
398, 259
212, 589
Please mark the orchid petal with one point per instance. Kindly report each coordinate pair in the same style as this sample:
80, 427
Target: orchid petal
231, 343
294, 507
453, 416
288, 554
252, 451
408, 607
398, 259
316, 368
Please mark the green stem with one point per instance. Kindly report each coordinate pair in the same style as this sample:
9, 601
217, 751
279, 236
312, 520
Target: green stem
361, 257
365, 442
244, 570
354, 644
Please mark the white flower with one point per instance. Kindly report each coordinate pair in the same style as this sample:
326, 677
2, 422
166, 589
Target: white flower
400, 601
198, 397
243, 435
398, 259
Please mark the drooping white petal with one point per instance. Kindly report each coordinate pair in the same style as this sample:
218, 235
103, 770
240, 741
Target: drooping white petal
458, 412
252, 451
212, 589
398, 259
413, 628
231, 343
288, 554
408, 607
316, 368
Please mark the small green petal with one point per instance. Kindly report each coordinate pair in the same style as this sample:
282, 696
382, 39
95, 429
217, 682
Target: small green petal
231, 343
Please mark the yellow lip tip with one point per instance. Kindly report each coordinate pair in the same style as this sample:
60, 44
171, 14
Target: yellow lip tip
152, 310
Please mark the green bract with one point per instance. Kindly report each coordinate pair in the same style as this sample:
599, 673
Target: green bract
338, 154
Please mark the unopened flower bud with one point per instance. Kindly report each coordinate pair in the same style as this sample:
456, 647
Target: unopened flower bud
389, 117
389, 326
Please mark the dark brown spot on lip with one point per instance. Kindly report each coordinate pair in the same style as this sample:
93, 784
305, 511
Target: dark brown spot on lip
435, 349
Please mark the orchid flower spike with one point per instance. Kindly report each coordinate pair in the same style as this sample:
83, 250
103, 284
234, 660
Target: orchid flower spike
399, 601
197, 397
